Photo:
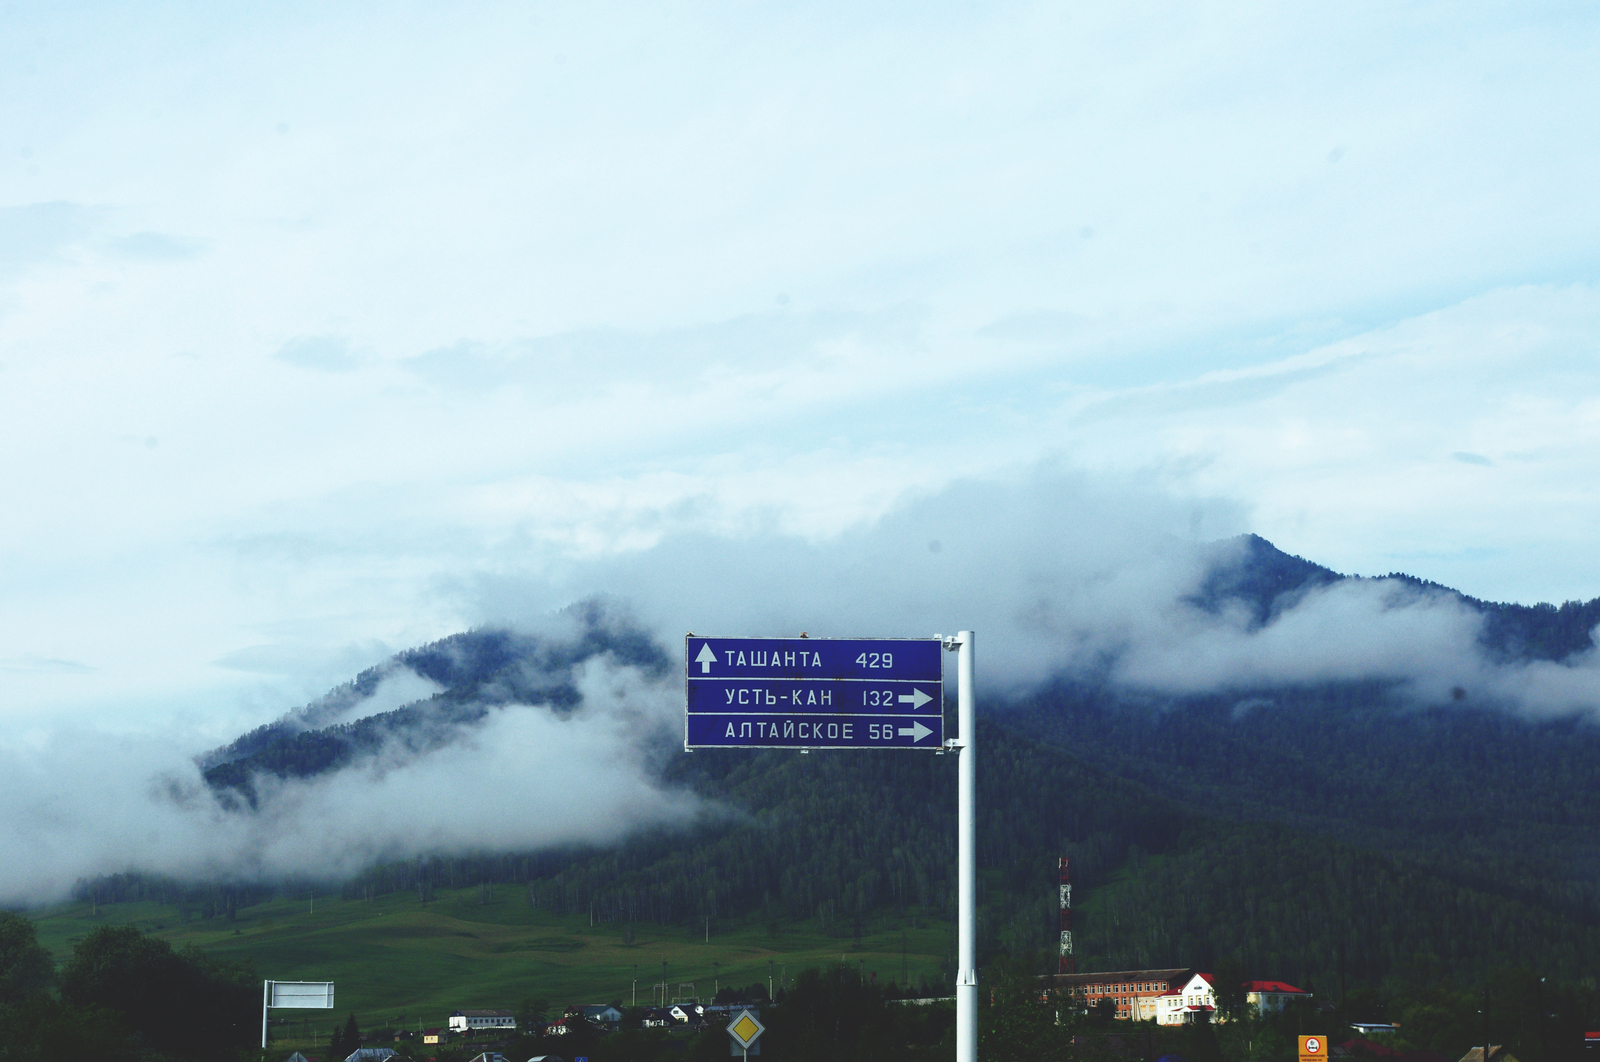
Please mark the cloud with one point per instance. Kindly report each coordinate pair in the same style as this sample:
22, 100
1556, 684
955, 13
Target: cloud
84, 803
1058, 572
325, 353
44, 665
156, 246
1066, 574
528, 294
38, 232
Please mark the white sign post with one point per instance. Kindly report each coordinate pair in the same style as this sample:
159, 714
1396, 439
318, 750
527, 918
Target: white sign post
303, 995
966, 853
784, 693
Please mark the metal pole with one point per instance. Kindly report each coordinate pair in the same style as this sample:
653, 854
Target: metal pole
1486, 1044
966, 858
266, 999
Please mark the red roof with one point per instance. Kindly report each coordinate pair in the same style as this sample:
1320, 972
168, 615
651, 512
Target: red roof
1209, 979
1272, 986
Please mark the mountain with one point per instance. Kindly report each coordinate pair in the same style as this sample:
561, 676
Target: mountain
1325, 832
478, 670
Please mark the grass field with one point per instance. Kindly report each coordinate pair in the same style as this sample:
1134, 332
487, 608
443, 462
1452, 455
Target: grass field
397, 962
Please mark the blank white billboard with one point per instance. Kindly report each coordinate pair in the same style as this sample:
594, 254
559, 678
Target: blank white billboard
302, 994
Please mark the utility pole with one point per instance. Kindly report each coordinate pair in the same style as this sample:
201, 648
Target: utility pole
635, 984
1544, 1043
1486, 1044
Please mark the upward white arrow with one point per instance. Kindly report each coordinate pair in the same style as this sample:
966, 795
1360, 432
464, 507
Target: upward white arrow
916, 698
705, 659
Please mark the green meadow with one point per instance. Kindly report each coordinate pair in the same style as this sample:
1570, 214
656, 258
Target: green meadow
395, 961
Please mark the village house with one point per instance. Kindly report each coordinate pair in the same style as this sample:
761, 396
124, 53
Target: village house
463, 1021
1269, 997
1193, 1001
371, 1054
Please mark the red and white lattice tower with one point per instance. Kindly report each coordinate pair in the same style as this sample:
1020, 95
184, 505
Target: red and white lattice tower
1066, 964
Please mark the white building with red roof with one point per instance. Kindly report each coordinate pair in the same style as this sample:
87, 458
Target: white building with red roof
1187, 1002
1268, 997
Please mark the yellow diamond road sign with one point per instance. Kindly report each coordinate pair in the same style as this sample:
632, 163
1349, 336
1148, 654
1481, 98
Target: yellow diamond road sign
745, 1028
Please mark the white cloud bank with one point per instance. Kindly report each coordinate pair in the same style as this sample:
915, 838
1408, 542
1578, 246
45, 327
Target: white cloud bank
83, 803
1059, 574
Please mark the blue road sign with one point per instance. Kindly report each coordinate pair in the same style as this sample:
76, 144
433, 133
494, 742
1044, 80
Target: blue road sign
814, 693
816, 658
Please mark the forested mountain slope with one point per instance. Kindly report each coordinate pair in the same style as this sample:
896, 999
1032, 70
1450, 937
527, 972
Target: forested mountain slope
1310, 831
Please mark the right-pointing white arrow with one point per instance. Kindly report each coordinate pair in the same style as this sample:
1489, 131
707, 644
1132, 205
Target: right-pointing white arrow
916, 698
705, 659
916, 731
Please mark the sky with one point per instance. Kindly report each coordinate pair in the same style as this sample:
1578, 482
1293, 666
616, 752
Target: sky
330, 329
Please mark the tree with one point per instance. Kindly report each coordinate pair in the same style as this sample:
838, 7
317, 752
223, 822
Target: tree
1228, 982
44, 1030
26, 969
531, 1015
184, 1003
1014, 1022
345, 1041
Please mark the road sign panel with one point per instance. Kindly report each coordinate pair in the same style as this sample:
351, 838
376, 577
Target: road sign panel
745, 1028
814, 693
815, 731
830, 696
815, 658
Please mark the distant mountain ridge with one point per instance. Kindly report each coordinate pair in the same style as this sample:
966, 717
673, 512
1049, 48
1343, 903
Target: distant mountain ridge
1251, 570
1286, 825
485, 667
478, 669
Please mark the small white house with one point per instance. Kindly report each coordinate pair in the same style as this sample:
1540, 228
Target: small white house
475, 1020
